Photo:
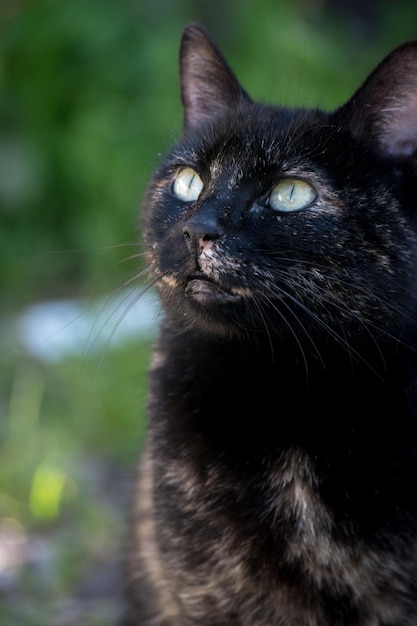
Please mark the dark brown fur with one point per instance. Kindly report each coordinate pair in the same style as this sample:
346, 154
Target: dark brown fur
278, 486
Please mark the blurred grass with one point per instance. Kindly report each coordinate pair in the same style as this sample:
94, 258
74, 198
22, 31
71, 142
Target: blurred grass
70, 434
88, 100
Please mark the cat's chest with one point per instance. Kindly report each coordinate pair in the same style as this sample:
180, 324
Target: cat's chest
275, 512
270, 544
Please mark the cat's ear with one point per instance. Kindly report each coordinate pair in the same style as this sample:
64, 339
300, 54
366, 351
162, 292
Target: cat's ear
208, 85
385, 107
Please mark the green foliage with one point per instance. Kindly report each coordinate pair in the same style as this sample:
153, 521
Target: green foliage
77, 139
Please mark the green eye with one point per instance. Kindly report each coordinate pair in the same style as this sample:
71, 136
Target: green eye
187, 184
291, 194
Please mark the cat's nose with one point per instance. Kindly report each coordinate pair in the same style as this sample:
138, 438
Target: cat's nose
199, 233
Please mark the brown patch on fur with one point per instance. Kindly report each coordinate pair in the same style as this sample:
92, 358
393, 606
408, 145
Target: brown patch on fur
146, 571
220, 589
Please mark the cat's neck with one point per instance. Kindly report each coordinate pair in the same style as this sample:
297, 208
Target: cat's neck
373, 363
369, 380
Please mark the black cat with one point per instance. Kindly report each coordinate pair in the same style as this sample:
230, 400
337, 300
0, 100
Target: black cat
278, 486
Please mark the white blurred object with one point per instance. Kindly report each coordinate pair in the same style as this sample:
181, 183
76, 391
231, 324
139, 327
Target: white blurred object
58, 328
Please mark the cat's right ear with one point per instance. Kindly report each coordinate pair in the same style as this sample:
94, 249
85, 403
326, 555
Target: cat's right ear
208, 85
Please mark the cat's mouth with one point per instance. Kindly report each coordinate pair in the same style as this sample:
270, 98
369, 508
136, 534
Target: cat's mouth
204, 290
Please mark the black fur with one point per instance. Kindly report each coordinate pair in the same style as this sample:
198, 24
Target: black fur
279, 481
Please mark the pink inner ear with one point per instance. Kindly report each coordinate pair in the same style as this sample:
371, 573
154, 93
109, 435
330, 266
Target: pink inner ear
399, 126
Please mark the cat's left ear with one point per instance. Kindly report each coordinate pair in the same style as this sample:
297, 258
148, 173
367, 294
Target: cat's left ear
385, 107
208, 85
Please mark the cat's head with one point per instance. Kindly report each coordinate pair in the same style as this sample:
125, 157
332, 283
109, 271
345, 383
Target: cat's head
288, 222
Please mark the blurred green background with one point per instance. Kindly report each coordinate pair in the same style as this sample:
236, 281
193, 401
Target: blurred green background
89, 99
